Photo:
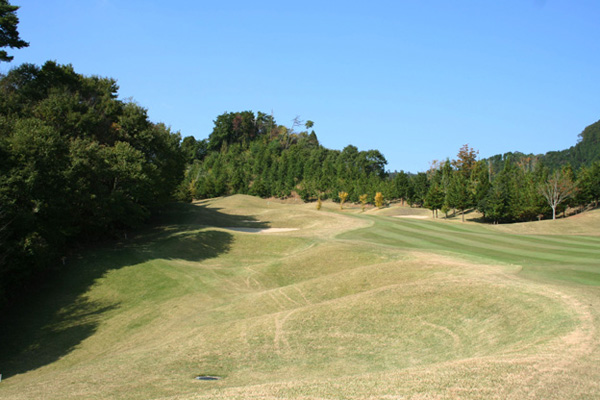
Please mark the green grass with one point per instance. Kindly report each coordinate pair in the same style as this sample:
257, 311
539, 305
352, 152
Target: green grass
350, 305
574, 258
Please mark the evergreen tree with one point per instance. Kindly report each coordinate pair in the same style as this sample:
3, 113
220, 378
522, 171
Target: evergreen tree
434, 200
588, 185
401, 187
480, 182
458, 195
495, 206
419, 189
9, 36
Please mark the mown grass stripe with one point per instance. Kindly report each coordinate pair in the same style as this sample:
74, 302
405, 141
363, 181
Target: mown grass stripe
464, 245
439, 243
561, 240
468, 227
593, 243
581, 240
560, 250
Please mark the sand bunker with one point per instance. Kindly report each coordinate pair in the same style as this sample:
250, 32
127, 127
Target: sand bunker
412, 216
261, 230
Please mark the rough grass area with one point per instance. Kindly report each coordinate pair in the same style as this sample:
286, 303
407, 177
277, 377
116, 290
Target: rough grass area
351, 305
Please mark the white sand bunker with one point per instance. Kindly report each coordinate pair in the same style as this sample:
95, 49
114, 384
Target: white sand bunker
412, 216
261, 230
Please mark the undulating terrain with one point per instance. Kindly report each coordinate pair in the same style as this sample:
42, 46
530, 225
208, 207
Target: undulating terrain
308, 304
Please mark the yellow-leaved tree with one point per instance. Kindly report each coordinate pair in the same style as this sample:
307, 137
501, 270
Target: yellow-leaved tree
343, 197
378, 200
363, 200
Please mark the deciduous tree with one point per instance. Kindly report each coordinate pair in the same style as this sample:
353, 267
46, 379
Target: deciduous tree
76, 164
343, 196
363, 201
557, 189
466, 159
378, 200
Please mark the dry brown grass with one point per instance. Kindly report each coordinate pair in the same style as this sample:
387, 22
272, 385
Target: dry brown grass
307, 314
587, 223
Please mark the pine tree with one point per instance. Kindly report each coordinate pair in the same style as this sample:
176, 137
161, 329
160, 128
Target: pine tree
458, 195
434, 200
9, 36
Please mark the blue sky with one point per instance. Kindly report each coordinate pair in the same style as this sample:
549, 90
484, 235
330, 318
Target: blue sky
415, 79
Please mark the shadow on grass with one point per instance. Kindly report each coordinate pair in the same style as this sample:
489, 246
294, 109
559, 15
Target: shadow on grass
54, 321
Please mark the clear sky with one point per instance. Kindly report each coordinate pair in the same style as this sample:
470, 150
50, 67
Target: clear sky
415, 79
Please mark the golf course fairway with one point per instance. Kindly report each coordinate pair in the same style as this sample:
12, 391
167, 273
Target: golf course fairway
283, 301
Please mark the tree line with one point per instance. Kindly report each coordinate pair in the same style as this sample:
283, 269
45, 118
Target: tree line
251, 154
516, 193
582, 154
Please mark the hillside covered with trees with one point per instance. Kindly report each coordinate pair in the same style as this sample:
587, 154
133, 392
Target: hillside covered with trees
583, 154
252, 154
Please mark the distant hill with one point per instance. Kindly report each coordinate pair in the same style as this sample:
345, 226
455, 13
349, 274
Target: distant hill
584, 153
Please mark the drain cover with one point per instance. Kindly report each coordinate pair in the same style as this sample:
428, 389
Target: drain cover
207, 378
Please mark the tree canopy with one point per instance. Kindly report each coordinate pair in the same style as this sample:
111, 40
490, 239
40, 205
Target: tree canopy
76, 164
250, 153
583, 154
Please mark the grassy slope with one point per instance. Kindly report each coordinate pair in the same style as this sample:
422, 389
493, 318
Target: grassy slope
351, 305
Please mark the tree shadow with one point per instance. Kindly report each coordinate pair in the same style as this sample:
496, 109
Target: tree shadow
51, 323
